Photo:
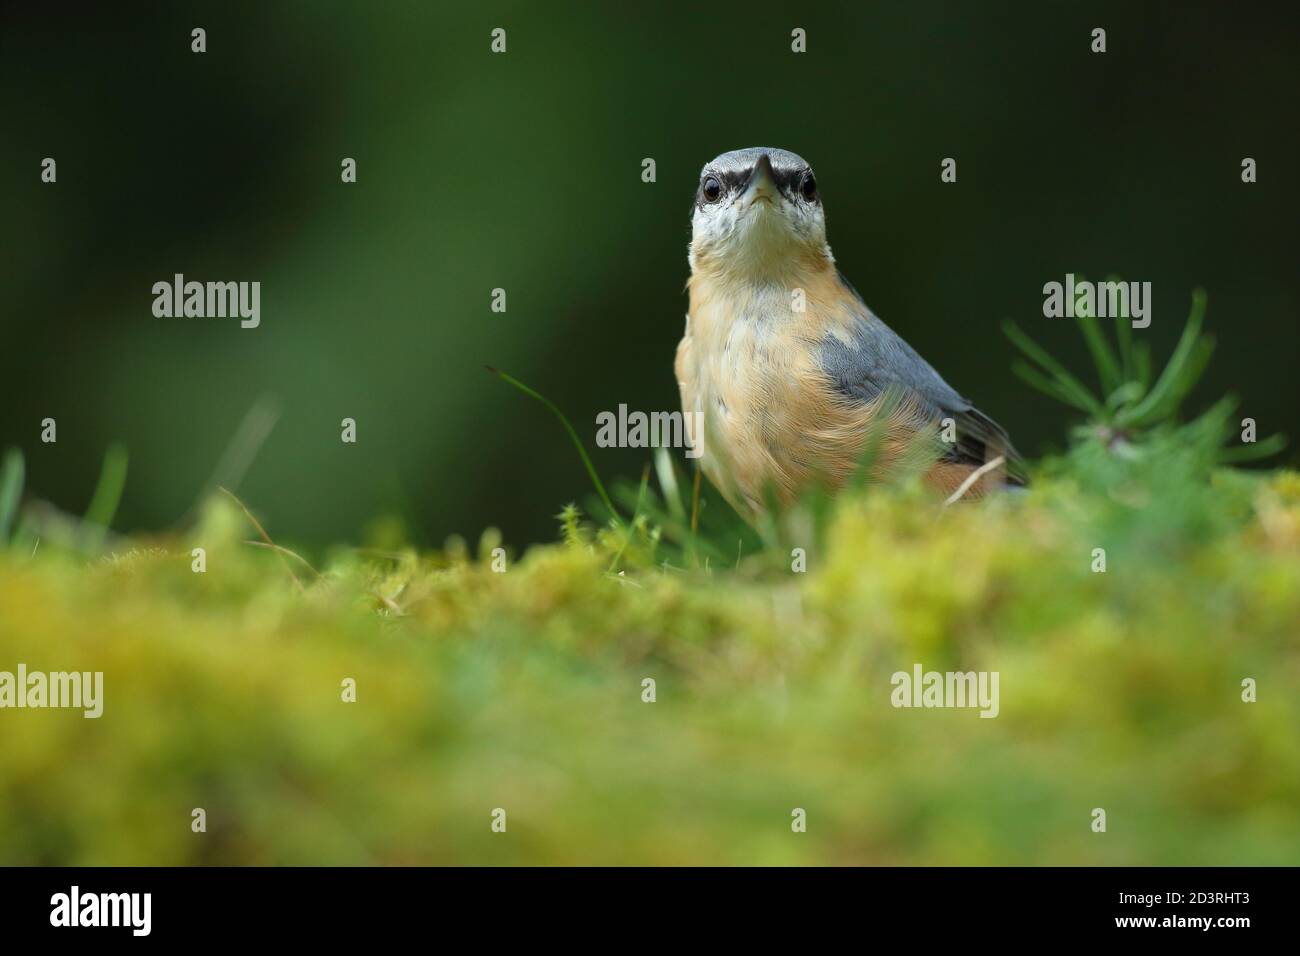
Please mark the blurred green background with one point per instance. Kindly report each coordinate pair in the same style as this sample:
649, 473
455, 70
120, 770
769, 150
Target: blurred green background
522, 171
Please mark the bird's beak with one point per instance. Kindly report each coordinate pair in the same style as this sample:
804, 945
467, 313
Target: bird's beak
762, 183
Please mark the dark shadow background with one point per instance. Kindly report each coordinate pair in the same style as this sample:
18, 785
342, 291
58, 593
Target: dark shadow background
522, 171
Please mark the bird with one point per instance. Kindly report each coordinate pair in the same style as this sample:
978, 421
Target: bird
786, 366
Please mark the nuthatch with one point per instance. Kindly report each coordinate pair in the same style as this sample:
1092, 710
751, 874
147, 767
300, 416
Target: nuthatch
788, 395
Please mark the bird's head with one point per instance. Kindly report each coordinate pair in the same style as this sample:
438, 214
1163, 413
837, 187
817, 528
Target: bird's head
757, 215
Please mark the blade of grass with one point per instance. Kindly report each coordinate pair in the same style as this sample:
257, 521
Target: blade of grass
1124, 337
11, 490
1103, 356
886, 409
920, 453
293, 554
1130, 391
265, 537
1191, 374
666, 472
1142, 364
1082, 397
695, 502
1172, 380
1048, 386
239, 454
1259, 449
672, 529
693, 546
108, 493
631, 527
577, 442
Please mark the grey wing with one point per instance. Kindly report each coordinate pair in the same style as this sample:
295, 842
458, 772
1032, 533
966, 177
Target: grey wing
878, 359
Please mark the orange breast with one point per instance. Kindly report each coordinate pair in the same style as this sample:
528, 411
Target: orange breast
774, 423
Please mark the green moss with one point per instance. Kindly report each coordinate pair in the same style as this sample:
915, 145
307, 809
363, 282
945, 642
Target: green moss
522, 690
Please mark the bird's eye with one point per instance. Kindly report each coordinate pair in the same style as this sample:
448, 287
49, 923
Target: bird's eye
711, 188
808, 188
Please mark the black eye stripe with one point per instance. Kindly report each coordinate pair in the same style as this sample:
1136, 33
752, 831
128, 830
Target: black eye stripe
735, 179
786, 179
789, 180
